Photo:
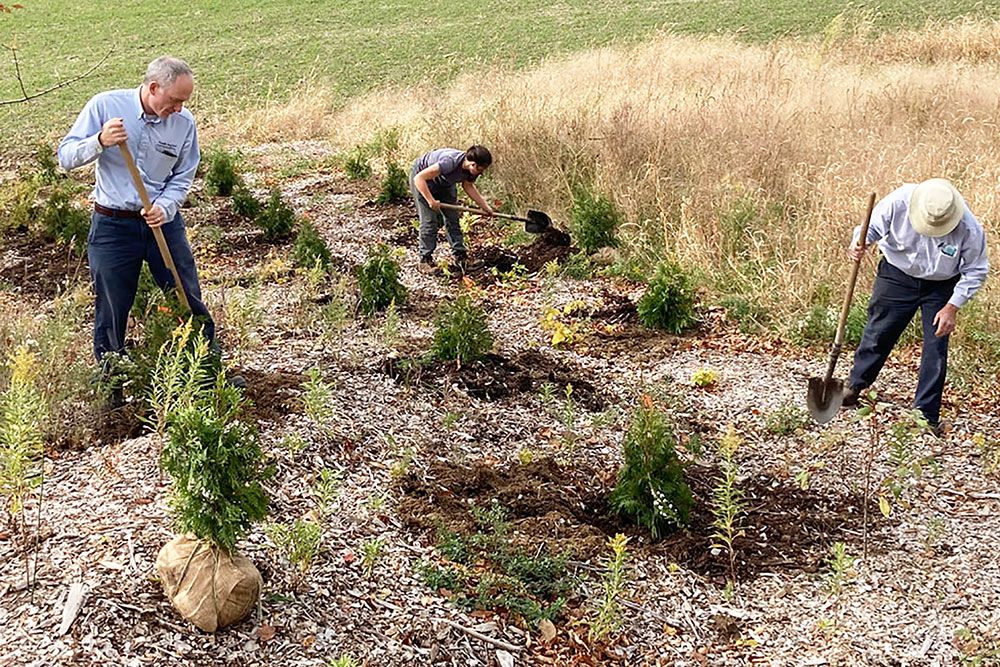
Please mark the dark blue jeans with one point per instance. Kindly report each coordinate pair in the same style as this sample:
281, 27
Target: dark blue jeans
895, 300
116, 249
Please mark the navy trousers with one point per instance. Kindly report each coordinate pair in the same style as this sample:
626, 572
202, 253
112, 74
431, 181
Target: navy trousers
894, 301
116, 249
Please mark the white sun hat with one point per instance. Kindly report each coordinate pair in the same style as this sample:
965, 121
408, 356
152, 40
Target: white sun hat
935, 208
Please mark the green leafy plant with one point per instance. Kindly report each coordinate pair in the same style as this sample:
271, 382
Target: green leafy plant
326, 490
651, 489
461, 331
244, 202
277, 219
391, 326
395, 185
310, 248
728, 503
222, 172
22, 413
749, 315
483, 570
378, 280
614, 581
357, 165
343, 661
789, 418
841, 567
371, 553
317, 398
594, 220
46, 165
183, 370
669, 300
216, 465
62, 220
562, 324
577, 266
299, 541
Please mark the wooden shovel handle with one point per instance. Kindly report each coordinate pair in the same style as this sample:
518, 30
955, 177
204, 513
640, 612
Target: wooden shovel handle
161, 242
849, 296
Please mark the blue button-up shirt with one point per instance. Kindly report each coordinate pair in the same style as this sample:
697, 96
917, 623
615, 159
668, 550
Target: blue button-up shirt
961, 252
165, 150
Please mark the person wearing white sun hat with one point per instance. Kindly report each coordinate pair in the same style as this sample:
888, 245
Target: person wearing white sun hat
934, 259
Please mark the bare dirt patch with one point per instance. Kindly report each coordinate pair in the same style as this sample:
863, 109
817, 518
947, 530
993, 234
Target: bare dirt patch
41, 269
273, 394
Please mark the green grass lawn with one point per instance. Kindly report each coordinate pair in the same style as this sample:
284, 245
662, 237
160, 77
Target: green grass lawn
245, 52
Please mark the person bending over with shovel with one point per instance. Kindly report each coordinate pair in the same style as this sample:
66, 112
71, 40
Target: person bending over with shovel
152, 123
934, 259
433, 181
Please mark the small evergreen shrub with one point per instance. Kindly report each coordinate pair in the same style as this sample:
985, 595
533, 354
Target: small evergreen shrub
222, 175
395, 185
309, 248
378, 281
669, 300
277, 219
651, 490
594, 220
64, 222
216, 464
461, 331
244, 203
356, 165
46, 163
17, 203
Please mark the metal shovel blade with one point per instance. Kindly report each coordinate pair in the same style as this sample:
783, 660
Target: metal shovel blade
537, 222
823, 398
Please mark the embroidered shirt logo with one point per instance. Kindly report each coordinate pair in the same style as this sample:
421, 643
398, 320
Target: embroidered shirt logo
167, 149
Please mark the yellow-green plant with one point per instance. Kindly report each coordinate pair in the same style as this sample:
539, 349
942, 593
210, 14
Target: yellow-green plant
182, 370
317, 398
614, 580
841, 566
561, 325
371, 552
326, 490
299, 541
728, 503
22, 412
704, 377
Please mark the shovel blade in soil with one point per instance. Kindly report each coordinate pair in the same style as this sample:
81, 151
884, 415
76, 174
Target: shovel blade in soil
823, 398
537, 222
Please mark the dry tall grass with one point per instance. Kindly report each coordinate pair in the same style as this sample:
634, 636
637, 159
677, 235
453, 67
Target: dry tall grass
749, 162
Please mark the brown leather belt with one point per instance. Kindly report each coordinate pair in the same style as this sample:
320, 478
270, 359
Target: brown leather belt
117, 212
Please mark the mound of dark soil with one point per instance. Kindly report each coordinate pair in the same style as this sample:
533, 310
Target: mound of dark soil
496, 377
272, 393
38, 268
785, 528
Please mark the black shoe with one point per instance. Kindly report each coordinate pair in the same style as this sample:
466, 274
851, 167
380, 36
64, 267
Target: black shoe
237, 381
851, 395
115, 400
937, 429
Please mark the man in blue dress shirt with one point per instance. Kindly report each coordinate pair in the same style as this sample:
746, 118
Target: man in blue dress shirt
934, 259
161, 134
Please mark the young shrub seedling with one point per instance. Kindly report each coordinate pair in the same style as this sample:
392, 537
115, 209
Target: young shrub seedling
277, 219
669, 300
461, 331
244, 202
788, 419
222, 173
704, 378
395, 185
371, 553
22, 412
728, 505
841, 568
614, 580
357, 167
310, 248
378, 280
651, 490
594, 220
299, 542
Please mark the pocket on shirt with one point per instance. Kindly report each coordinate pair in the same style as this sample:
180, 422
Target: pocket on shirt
158, 166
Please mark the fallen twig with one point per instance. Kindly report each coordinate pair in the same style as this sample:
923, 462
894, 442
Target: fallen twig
480, 636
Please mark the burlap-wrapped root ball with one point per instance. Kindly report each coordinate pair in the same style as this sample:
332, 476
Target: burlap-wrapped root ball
208, 586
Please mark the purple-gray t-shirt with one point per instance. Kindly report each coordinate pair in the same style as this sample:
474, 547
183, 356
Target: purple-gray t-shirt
450, 160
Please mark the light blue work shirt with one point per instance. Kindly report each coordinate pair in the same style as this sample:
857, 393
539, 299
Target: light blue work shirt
165, 151
960, 252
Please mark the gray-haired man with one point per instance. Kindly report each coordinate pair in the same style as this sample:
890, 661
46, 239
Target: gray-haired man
161, 134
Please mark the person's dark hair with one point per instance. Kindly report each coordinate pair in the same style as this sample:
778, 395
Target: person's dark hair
480, 155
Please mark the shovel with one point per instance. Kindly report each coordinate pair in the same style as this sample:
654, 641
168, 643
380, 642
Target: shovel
825, 394
161, 242
536, 222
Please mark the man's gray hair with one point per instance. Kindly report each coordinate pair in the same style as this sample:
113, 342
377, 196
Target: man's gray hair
165, 70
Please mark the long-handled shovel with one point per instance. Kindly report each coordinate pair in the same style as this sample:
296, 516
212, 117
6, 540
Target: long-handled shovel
536, 222
161, 242
826, 394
